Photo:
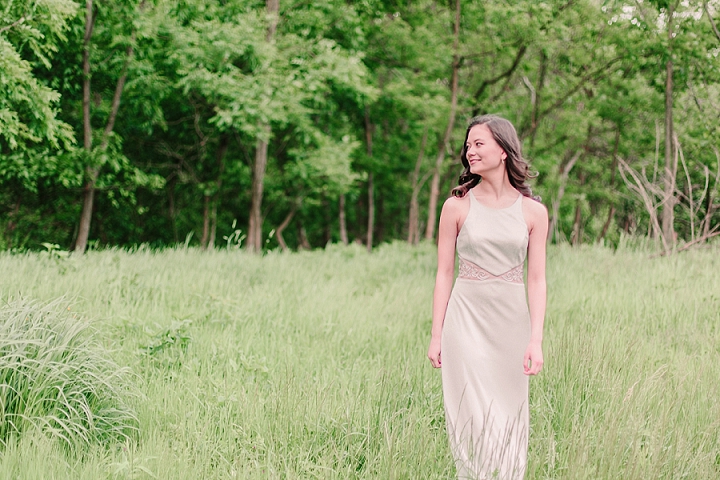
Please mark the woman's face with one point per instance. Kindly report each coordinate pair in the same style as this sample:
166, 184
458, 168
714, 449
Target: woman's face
483, 152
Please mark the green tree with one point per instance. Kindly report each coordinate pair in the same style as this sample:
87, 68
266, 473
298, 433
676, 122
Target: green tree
32, 137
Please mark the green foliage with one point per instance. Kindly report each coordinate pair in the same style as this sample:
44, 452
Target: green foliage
343, 90
56, 378
30, 31
167, 348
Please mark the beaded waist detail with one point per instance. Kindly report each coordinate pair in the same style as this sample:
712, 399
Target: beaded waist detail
473, 272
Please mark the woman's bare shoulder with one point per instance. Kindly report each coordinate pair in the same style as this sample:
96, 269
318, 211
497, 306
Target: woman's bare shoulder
456, 205
536, 209
536, 215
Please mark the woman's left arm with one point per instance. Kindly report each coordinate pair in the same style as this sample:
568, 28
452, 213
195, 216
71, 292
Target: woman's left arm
537, 288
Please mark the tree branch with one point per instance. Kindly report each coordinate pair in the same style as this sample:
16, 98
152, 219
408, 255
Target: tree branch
596, 74
89, 24
689, 245
115, 106
14, 24
486, 83
712, 22
641, 187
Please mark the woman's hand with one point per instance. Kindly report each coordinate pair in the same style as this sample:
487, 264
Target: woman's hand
533, 362
434, 352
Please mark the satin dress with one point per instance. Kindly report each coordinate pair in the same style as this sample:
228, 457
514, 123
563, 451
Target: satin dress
484, 338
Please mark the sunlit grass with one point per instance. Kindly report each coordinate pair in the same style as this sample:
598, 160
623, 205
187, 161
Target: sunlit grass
312, 364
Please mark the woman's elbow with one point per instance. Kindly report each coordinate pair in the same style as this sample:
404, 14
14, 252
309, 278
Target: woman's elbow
536, 282
446, 273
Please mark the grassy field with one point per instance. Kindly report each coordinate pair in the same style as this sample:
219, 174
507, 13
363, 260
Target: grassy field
312, 364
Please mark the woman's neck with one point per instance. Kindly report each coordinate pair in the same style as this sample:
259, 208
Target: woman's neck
496, 186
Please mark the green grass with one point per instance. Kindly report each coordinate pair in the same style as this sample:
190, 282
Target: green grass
55, 379
312, 364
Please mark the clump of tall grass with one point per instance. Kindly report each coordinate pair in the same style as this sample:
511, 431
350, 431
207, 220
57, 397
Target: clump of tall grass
55, 378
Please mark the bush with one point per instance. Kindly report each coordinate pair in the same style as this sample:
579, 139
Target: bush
54, 377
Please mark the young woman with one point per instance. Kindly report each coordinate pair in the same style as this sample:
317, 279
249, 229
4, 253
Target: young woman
486, 332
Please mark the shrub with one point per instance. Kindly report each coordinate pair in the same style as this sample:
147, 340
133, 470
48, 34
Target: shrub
56, 378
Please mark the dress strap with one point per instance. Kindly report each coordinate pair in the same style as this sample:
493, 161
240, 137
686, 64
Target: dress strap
518, 202
472, 197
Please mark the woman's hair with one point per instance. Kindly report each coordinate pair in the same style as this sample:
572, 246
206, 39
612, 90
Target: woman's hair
516, 166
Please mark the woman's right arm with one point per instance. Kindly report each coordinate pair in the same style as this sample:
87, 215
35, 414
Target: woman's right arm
447, 236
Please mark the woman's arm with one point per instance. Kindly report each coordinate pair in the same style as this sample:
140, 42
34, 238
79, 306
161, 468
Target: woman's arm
447, 235
537, 288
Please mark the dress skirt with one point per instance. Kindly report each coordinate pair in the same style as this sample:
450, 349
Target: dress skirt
484, 338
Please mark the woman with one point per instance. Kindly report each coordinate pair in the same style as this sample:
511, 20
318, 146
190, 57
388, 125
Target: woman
484, 335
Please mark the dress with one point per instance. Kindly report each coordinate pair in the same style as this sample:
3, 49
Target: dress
484, 338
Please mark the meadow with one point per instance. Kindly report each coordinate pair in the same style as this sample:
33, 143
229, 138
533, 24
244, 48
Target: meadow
313, 364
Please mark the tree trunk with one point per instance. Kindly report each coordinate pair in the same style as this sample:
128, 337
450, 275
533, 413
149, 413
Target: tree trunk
435, 183
614, 164
606, 226
92, 172
711, 209
255, 228
213, 223
710, 206
91, 175
564, 172
369, 128
88, 188
281, 228
668, 204
413, 220
577, 227
343, 221
327, 219
206, 222
273, 8
414, 215
220, 158
304, 243
613, 169
89, 25
536, 105
379, 233
371, 211
254, 238
171, 208
12, 223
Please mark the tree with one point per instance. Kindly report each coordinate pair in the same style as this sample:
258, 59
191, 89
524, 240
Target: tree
261, 150
117, 28
33, 140
445, 141
339, 121
30, 33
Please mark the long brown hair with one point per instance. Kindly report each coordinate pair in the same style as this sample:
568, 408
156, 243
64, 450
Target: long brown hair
518, 169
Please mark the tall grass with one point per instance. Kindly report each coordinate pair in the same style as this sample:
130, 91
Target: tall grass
312, 364
55, 379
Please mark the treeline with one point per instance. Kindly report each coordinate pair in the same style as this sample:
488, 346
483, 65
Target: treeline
294, 123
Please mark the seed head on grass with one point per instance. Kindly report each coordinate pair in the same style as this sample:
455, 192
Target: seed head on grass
54, 377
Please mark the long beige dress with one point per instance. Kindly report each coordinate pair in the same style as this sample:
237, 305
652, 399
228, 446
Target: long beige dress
484, 338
